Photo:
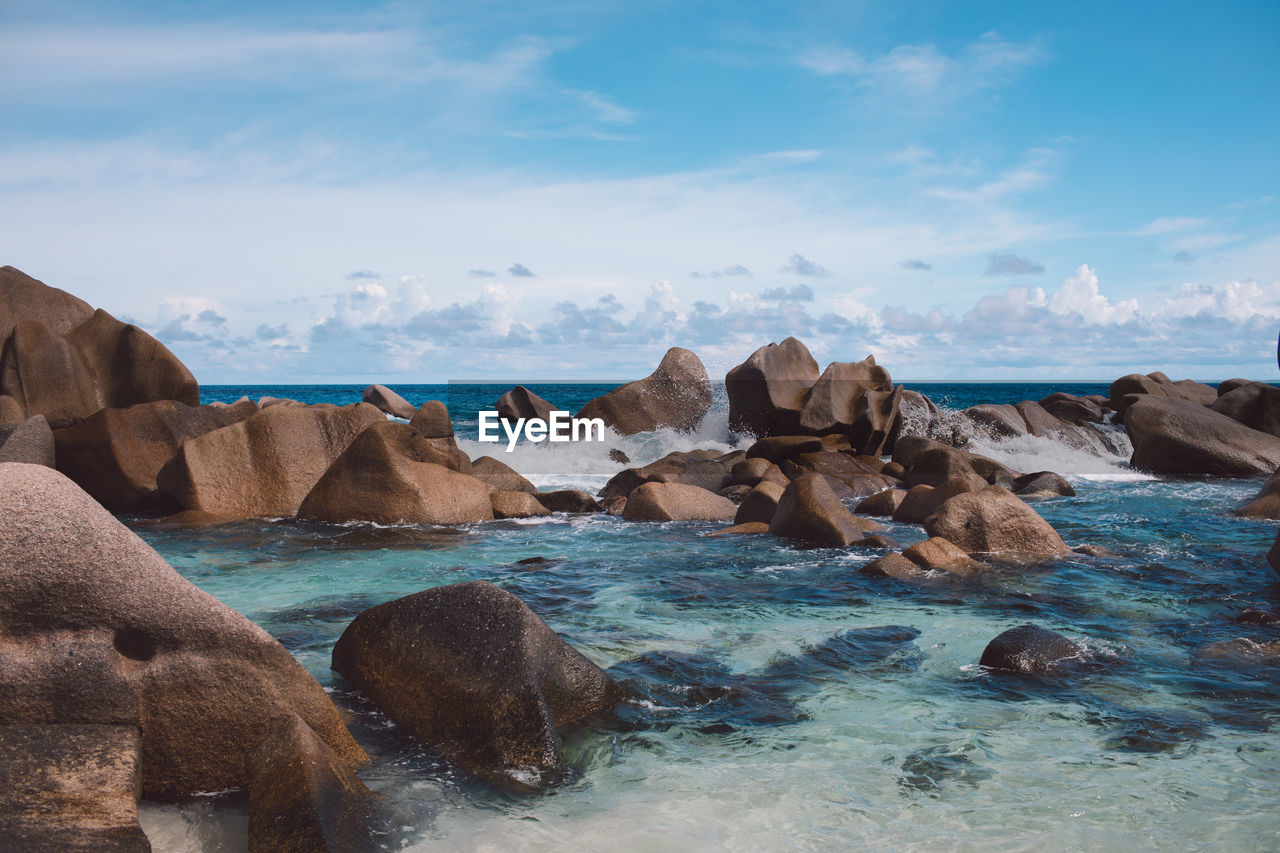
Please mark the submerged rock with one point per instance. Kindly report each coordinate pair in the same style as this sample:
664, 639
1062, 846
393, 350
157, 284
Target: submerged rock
1029, 649
677, 502
995, 521
677, 395
810, 511
61, 359
389, 401
95, 623
303, 797
469, 669
263, 467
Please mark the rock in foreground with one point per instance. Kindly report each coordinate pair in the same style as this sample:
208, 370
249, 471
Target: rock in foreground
469, 669
809, 510
93, 622
1028, 649
995, 521
70, 788
303, 798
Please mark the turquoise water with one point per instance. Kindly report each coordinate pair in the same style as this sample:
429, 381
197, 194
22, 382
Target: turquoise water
778, 699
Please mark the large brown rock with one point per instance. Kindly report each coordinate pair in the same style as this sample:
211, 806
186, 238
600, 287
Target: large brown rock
11, 411
932, 555
520, 402
516, 505
705, 469
115, 454
677, 502
472, 671
30, 441
61, 359
303, 798
809, 510
389, 401
390, 475
767, 391
569, 500
861, 474
1182, 438
829, 404
71, 788
94, 625
1254, 404
500, 475
995, 521
1125, 390
1072, 409
760, 503
25, 298
999, 419
676, 395
883, 503
432, 422
876, 422
266, 465
923, 501
1266, 503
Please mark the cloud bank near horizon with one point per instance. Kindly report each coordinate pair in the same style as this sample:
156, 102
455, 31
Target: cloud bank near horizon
400, 332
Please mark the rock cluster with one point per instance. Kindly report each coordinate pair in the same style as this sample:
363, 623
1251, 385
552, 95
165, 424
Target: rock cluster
778, 390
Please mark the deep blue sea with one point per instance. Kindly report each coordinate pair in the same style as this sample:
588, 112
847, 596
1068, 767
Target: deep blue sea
779, 699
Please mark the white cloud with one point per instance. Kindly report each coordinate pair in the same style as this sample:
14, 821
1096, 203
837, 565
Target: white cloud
1168, 225
923, 71
1079, 294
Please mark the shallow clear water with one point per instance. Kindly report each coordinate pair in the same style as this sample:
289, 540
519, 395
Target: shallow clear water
781, 700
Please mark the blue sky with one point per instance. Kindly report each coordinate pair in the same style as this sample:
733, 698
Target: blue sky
414, 192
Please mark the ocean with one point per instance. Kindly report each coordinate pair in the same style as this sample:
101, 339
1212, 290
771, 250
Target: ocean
780, 700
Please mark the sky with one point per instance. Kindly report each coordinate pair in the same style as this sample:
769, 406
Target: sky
417, 192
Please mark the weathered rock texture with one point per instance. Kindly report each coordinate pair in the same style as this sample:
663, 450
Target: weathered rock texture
116, 454
391, 474
266, 465
470, 670
95, 626
61, 359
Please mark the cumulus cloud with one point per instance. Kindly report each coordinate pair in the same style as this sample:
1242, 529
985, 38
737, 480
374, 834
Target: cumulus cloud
800, 265
798, 293
1075, 330
213, 318
519, 270
1079, 294
1009, 264
916, 266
